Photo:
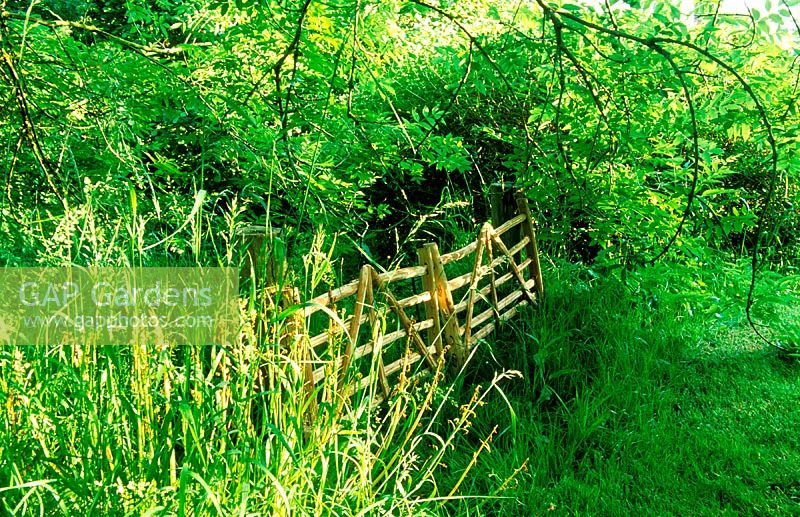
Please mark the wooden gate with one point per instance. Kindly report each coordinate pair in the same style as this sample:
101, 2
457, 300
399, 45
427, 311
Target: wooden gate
382, 325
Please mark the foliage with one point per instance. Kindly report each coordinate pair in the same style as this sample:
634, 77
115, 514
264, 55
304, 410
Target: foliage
657, 147
630, 137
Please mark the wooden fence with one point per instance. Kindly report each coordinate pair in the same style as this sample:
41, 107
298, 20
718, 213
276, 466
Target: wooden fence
410, 319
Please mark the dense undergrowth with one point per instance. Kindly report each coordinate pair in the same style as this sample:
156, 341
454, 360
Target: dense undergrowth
658, 150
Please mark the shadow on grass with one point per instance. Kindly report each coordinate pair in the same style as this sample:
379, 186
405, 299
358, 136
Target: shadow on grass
629, 407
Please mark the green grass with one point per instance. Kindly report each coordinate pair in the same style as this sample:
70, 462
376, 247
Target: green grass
643, 397
631, 406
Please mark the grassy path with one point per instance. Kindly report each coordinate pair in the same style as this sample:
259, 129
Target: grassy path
631, 406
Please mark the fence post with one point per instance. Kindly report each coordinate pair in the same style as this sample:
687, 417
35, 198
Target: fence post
364, 287
432, 306
264, 255
444, 302
532, 248
503, 208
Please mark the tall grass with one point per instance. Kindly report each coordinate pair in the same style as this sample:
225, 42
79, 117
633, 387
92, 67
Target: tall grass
641, 393
149, 429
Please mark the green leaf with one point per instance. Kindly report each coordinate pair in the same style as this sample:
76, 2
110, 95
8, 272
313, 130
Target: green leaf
411, 8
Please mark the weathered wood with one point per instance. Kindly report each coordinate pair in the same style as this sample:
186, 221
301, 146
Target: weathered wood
484, 291
335, 330
493, 280
535, 268
514, 268
263, 255
432, 303
450, 328
414, 300
364, 285
376, 338
398, 365
351, 288
391, 369
413, 335
300, 351
462, 280
509, 225
519, 246
455, 256
488, 329
482, 241
498, 308
390, 338
406, 273
331, 297
444, 335
319, 374
504, 316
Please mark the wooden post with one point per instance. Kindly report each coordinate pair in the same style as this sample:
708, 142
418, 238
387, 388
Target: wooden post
364, 286
263, 256
532, 248
432, 306
376, 335
444, 300
473, 284
503, 208
493, 279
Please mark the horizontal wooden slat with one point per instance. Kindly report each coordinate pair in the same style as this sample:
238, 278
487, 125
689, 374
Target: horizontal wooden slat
484, 291
503, 228
393, 368
502, 304
398, 365
465, 279
482, 333
350, 289
457, 255
505, 278
319, 339
334, 296
319, 374
390, 338
405, 273
486, 330
335, 330
387, 340
414, 300
462, 280
518, 247
378, 397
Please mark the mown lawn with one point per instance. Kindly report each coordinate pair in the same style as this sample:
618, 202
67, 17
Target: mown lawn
639, 402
